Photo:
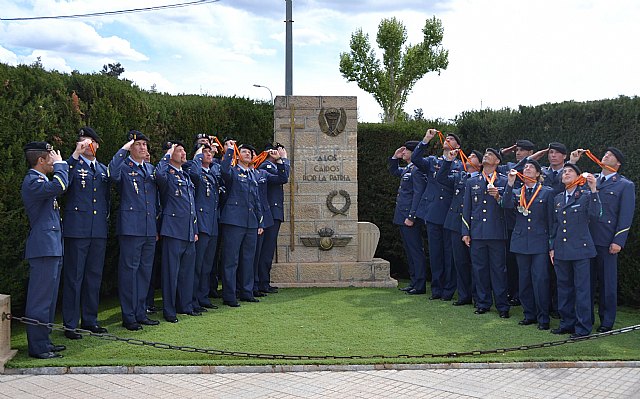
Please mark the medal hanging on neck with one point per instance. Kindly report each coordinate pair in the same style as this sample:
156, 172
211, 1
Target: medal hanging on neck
524, 206
490, 180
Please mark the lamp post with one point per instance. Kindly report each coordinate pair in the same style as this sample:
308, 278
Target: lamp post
265, 87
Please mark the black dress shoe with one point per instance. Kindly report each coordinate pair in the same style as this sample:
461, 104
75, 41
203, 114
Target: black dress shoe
95, 329
526, 322
514, 302
149, 322
200, 309
58, 348
576, 335
561, 330
270, 290
259, 294
543, 326
460, 303
232, 304
447, 298
209, 306
171, 319
603, 329
72, 334
132, 326
192, 313
504, 314
434, 297
481, 311
407, 288
415, 292
46, 355
214, 294
152, 309
252, 299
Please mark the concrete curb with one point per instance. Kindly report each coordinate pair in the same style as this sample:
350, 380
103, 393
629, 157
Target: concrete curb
310, 368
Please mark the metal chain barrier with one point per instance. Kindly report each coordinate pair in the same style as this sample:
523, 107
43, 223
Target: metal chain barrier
218, 352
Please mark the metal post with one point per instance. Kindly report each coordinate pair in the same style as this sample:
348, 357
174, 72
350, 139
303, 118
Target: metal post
288, 78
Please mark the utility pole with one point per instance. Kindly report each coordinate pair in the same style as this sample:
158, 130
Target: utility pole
288, 78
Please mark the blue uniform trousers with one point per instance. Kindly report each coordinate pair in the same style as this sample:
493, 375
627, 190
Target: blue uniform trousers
42, 294
205, 258
534, 286
462, 262
134, 275
416, 259
178, 269
488, 260
256, 262
239, 250
269, 243
574, 295
82, 276
604, 278
443, 282
512, 270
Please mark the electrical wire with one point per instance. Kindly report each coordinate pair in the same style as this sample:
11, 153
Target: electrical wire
106, 13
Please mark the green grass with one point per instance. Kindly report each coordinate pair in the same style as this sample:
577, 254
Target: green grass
332, 321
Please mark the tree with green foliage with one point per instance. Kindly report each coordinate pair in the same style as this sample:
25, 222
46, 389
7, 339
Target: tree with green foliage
114, 70
391, 80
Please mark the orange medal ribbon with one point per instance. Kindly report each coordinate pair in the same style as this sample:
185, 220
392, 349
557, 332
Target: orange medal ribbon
490, 181
259, 159
442, 139
526, 179
236, 155
592, 157
524, 205
93, 150
217, 142
580, 180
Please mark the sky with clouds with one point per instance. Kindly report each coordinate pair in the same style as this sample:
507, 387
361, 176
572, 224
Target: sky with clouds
502, 53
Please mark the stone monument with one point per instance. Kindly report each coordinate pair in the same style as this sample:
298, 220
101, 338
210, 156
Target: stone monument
321, 243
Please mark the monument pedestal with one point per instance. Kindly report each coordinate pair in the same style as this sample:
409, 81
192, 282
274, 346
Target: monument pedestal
322, 244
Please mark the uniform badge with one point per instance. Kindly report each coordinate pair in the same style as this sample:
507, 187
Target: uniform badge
131, 164
475, 187
268, 166
173, 172
81, 162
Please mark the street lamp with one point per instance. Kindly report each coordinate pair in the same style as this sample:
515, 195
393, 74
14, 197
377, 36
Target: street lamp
265, 87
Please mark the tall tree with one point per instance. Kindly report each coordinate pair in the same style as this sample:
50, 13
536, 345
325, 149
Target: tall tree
114, 70
391, 80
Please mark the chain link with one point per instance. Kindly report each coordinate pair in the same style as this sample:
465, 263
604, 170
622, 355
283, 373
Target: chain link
219, 352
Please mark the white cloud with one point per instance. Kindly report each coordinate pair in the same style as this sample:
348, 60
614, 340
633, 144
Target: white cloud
145, 80
8, 56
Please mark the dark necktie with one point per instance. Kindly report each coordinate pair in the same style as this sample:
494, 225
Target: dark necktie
142, 172
93, 167
603, 179
529, 191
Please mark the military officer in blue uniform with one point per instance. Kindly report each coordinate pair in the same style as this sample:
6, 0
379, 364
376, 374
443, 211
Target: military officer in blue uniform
572, 249
43, 248
609, 232
484, 230
522, 149
412, 186
241, 221
457, 179
267, 176
275, 199
136, 227
533, 207
85, 235
433, 210
205, 174
179, 232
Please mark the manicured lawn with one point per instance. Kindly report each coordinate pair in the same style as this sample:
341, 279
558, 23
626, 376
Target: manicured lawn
332, 321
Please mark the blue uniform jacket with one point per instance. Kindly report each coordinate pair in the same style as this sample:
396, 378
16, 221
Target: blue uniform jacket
436, 198
456, 179
86, 211
265, 177
412, 186
208, 185
242, 206
570, 236
39, 198
275, 191
177, 196
482, 216
138, 196
531, 232
551, 180
618, 197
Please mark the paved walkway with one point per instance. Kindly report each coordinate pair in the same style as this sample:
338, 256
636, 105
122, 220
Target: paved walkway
550, 381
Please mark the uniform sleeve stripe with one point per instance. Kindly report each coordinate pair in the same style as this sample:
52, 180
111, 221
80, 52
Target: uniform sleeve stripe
64, 188
465, 223
621, 231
